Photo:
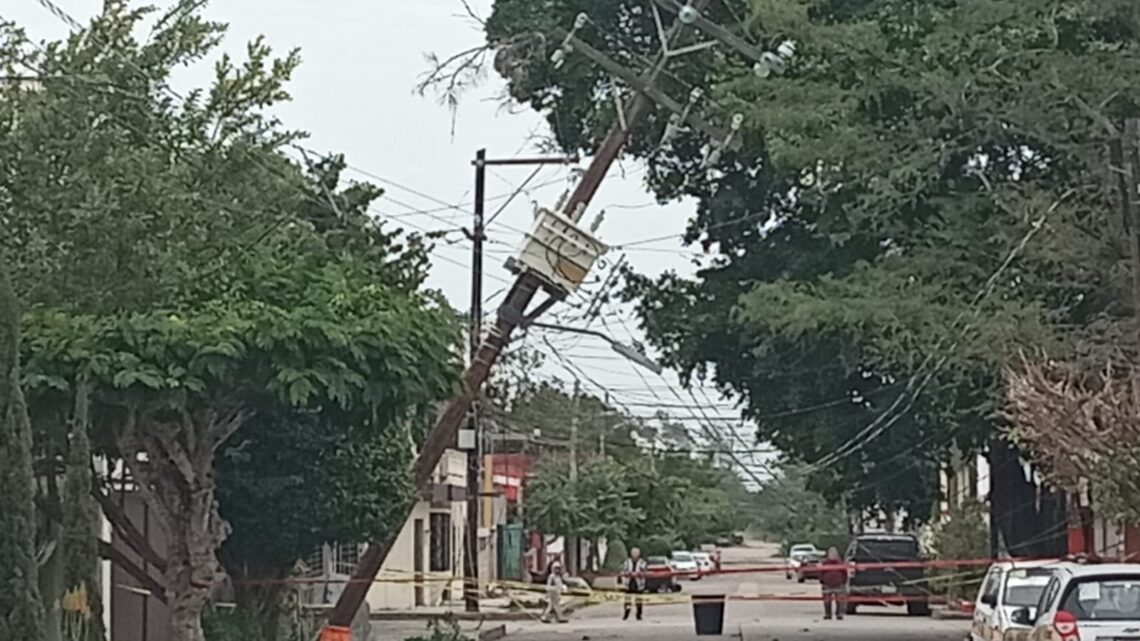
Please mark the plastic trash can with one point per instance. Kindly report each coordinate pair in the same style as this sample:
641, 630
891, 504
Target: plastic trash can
708, 614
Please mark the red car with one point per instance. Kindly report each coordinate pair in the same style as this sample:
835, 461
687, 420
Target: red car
808, 568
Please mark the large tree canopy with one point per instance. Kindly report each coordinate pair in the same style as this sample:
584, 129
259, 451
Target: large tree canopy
228, 305
923, 193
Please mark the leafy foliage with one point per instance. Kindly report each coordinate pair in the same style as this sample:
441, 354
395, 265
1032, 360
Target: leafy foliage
23, 615
790, 513
173, 256
616, 554
648, 501
961, 534
83, 611
920, 196
230, 625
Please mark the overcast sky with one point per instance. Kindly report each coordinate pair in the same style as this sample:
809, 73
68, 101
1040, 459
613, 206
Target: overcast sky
354, 94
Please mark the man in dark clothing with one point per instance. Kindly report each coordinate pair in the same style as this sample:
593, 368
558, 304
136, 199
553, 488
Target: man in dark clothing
833, 580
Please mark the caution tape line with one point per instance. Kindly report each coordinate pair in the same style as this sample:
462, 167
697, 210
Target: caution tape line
408, 577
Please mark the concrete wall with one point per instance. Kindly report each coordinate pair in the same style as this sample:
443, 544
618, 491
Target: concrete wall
396, 586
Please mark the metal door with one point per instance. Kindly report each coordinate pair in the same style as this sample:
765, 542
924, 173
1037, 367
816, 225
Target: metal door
510, 551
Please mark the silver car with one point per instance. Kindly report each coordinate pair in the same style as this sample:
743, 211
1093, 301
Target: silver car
796, 556
1008, 586
1086, 603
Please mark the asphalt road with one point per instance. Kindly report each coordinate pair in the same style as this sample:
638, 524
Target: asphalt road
747, 620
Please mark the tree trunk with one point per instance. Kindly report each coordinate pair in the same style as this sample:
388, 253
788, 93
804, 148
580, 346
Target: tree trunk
83, 603
176, 478
261, 594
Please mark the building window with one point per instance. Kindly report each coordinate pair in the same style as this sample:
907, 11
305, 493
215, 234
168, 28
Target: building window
346, 558
440, 546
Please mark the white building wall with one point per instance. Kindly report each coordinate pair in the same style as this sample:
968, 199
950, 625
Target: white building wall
395, 586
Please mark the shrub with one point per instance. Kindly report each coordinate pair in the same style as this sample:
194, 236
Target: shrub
616, 554
962, 534
230, 625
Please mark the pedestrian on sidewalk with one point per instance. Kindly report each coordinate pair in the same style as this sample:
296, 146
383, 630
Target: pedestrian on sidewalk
555, 584
633, 572
833, 582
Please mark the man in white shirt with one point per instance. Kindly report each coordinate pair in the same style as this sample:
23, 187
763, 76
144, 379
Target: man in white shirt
633, 573
555, 584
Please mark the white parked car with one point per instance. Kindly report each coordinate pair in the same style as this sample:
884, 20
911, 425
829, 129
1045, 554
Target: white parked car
1008, 586
796, 556
1086, 603
683, 563
705, 563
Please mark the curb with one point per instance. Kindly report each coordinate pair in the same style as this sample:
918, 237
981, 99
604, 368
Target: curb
493, 634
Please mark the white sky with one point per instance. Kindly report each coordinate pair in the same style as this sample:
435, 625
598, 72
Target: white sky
355, 94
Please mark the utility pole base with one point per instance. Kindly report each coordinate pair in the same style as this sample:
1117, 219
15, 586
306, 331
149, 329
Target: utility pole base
336, 633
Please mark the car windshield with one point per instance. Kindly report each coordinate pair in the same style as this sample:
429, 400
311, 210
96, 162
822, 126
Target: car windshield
1024, 594
886, 550
682, 556
802, 549
657, 560
1109, 598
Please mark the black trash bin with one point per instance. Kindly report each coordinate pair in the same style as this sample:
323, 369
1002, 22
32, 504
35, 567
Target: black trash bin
708, 614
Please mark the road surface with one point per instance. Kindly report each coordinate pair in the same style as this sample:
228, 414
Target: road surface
754, 620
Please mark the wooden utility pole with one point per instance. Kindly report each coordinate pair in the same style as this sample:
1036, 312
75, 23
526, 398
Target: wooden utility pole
573, 545
513, 310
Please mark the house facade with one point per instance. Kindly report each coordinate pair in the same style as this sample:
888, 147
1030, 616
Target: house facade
424, 568
1025, 517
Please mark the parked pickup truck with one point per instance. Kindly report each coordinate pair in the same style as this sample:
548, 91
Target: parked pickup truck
887, 585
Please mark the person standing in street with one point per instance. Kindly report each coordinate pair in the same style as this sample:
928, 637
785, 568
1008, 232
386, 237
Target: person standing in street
633, 572
555, 584
833, 582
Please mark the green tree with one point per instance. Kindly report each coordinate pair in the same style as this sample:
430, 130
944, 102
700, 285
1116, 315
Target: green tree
597, 505
188, 208
81, 602
175, 385
791, 513
921, 195
22, 612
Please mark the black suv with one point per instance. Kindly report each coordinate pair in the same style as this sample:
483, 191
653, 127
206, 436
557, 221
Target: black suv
904, 585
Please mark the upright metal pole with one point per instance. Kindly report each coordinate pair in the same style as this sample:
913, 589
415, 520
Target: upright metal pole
471, 555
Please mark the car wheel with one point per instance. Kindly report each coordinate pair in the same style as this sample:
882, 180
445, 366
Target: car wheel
850, 608
918, 608
788, 576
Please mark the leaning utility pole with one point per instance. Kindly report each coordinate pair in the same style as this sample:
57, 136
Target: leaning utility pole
514, 309
573, 544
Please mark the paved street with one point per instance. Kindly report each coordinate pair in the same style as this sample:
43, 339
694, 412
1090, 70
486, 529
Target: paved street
747, 620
